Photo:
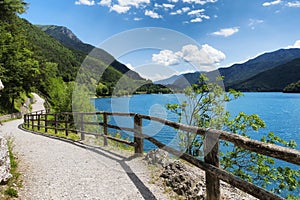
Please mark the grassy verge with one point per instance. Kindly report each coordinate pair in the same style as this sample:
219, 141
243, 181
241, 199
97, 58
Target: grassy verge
10, 189
92, 140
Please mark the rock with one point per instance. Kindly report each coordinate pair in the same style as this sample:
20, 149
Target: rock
157, 157
4, 161
182, 181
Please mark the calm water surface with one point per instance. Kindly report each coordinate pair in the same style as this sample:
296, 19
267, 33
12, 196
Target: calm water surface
280, 111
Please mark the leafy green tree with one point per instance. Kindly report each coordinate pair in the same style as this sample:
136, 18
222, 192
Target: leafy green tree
204, 107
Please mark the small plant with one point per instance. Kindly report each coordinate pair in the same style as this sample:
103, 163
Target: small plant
11, 192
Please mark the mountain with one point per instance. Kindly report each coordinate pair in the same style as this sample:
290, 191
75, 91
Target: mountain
275, 79
241, 72
266, 61
70, 40
168, 81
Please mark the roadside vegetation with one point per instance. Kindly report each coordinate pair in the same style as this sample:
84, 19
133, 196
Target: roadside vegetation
205, 107
10, 189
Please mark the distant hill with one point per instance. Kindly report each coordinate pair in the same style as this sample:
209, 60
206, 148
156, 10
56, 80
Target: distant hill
275, 79
241, 72
69, 39
168, 81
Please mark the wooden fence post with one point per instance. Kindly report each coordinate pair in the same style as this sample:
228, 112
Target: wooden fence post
55, 121
66, 123
32, 121
105, 129
138, 139
211, 156
46, 123
82, 126
25, 118
39, 121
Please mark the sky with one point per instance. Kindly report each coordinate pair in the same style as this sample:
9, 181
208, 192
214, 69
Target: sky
165, 38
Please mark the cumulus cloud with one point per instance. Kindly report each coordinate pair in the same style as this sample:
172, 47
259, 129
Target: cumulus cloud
271, 3
295, 4
198, 19
152, 14
206, 58
180, 11
120, 9
226, 32
166, 5
135, 3
105, 3
296, 45
166, 58
85, 2
196, 12
201, 2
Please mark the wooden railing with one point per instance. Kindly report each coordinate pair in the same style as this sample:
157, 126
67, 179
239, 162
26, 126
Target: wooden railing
211, 160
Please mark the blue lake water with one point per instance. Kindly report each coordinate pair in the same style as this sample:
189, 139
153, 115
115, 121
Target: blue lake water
281, 113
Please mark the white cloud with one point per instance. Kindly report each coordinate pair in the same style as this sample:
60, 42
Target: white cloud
271, 3
135, 3
85, 2
120, 9
254, 22
166, 5
198, 19
196, 12
201, 2
206, 58
173, 1
152, 14
226, 32
295, 4
166, 58
296, 45
177, 12
137, 19
185, 9
180, 11
105, 3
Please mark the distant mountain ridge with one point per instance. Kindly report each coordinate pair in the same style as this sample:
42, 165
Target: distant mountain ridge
273, 80
239, 73
70, 40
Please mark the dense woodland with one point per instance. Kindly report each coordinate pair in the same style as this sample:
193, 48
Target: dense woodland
31, 60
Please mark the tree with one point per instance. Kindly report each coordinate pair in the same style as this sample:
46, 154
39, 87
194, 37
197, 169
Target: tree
204, 107
18, 67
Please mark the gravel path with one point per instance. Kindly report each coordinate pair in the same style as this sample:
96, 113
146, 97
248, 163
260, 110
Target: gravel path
53, 169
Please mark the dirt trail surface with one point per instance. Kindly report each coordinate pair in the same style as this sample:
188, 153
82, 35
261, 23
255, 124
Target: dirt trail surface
54, 169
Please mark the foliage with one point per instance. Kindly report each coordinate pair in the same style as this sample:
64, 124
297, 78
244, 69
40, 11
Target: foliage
292, 88
204, 108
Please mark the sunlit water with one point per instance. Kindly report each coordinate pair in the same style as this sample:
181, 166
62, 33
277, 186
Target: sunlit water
281, 113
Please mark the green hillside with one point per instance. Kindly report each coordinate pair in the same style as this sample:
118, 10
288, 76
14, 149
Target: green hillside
275, 79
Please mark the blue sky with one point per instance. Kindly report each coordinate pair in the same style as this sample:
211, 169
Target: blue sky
223, 31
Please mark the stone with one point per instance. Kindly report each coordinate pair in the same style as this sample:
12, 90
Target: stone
157, 157
177, 176
4, 161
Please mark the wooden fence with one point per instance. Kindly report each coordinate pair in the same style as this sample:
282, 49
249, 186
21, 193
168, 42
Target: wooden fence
64, 122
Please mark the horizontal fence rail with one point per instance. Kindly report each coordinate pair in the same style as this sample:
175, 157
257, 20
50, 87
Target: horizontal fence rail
66, 122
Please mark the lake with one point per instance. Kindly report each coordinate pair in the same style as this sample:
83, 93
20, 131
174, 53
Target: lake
280, 111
